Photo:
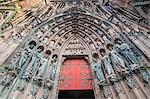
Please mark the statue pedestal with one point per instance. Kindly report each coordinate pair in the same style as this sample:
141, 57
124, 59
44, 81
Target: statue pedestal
15, 94
123, 96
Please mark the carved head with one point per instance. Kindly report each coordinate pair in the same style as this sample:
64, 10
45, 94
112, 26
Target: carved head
117, 41
95, 55
46, 38
40, 49
47, 53
32, 44
55, 58
109, 46
102, 51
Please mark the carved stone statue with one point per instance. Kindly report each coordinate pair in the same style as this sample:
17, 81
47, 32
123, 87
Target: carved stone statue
107, 63
20, 84
27, 73
116, 59
40, 77
145, 75
42, 68
53, 67
144, 72
26, 57
133, 61
98, 68
32, 66
48, 81
52, 72
127, 53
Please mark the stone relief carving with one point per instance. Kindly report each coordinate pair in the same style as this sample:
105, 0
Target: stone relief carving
109, 67
113, 64
116, 59
36, 68
75, 47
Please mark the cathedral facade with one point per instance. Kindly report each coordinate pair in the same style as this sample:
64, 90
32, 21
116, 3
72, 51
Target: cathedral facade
74, 49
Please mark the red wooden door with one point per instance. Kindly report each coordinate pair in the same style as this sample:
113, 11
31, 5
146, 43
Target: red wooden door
75, 75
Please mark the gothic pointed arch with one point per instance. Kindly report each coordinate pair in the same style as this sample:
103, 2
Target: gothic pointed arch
114, 40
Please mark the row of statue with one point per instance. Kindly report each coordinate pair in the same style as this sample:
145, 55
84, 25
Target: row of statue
119, 61
32, 66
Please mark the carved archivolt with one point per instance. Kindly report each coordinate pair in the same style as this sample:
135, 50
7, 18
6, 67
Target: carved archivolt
104, 35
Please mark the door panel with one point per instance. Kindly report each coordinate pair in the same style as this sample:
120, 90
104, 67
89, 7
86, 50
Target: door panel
75, 75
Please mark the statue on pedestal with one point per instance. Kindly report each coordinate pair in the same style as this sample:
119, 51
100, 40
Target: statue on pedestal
144, 72
126, 52
134, 62
42, 77
99, 71
41, 69
32, 66
107, 64
27, 73
26, 55
53, 67
116, 60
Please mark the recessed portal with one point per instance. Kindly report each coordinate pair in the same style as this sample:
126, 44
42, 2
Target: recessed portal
75, 80
76, 94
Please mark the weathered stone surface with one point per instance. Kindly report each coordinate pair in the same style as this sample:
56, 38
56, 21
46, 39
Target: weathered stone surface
38, 36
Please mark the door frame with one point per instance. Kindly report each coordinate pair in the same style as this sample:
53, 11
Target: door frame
62, 58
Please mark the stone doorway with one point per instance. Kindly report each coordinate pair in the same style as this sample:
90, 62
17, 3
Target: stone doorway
75, 80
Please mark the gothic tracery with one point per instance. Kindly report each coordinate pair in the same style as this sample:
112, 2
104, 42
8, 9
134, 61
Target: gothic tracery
113, 39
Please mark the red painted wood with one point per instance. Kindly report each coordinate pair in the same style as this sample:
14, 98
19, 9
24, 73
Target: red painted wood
75, 75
